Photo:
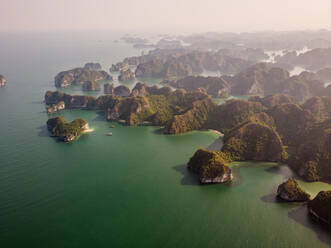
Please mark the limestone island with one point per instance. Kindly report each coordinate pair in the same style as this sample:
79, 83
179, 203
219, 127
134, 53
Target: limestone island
292, 192
3, 81
126, 75
66, 131
78, 76
210, 167
120, 66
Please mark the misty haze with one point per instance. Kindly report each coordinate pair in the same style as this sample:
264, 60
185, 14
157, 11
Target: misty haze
165, 123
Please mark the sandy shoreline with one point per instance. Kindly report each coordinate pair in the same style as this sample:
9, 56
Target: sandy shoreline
89, 130
216, 132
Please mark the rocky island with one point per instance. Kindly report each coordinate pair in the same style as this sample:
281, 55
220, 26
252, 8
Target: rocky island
126, 75
120, 66
66, 131
78, 76
210, 167
292, 192
3, 81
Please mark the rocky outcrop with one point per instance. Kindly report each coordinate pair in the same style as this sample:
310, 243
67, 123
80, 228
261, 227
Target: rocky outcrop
256, 141
193, 119
141, 89
160, 69
126, 75
292, 192
55, 107
92, 66
108, 88
272, 100
71, 102
122, 90
214, 86
132, 110
258, 79
210, 167
315, 59
120, 66
78, 76
90, 86
66, 131
231, 114
3, 81
319, 208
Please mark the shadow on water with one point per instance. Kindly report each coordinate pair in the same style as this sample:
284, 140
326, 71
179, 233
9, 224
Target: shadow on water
159, 131
42, 131
301, 216
189, 178
216, 145
272, 198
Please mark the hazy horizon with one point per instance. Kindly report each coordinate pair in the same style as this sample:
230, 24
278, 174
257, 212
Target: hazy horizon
208, 15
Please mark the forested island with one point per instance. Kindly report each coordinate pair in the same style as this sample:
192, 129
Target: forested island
66, 131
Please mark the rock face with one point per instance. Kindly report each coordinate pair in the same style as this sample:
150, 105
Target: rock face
120, 66
141, 89
78, 76
254, 141
320, 207
122, 90
210, 167
193, 119
92, 66
108, 88
214, 86
315, 59
126, 75
67, 132
160, 69
273, 100
55, 107
2, 81
291, 191
90, 86
257, 79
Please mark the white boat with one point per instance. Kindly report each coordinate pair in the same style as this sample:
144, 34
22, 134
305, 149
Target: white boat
110, 134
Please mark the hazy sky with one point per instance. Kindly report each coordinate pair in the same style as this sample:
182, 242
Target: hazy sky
200, 15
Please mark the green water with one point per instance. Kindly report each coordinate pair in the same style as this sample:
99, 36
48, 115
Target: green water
128, 190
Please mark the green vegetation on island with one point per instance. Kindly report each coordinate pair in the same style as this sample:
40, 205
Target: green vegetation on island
66, 131
291, 191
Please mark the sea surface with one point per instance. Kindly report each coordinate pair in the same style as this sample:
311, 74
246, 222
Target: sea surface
128, 190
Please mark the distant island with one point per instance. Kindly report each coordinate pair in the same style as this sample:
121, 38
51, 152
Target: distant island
79, 76
3, 81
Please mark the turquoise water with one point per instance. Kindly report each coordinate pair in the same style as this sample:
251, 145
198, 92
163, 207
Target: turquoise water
128, 190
